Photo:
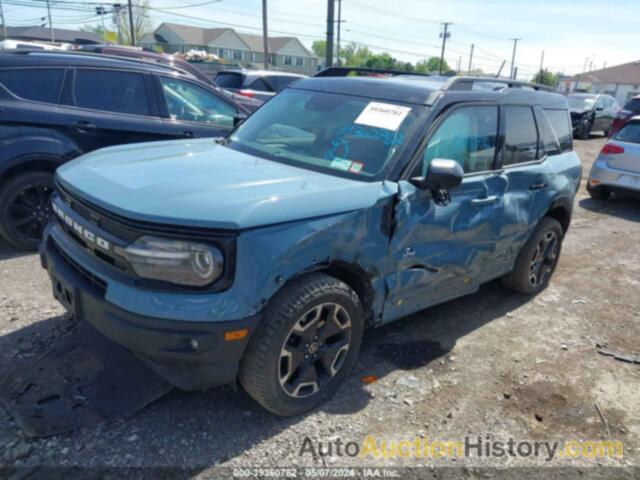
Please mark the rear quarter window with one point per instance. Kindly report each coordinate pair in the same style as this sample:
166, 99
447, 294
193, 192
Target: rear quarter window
629, 133
561, 123
229, 80
549, 143
633, 105
37, 84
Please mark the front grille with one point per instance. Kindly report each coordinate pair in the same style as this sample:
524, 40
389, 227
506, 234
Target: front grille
99, 284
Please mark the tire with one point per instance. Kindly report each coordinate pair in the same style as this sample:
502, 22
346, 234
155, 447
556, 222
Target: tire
598, 193
585, 130
25, 208
538, 258
607, 132
274, 370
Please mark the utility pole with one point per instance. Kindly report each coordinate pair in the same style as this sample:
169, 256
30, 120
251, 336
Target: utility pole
470, 60
133, 32
444, 35
329, 46
513, 57
52, 35
4, 25
541, 67
265, 35
338, 61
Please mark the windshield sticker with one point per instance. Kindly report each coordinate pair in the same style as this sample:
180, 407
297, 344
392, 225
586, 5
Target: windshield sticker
356, 167
341, 164
383, 115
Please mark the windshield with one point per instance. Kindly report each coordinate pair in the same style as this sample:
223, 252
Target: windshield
229, 80
581, 103
339, 134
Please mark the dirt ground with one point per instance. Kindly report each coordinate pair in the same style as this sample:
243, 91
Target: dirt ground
493, 364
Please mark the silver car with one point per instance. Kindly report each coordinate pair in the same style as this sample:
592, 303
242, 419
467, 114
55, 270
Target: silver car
617, 168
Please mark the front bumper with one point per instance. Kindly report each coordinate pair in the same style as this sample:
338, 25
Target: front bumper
623, 181
190, 355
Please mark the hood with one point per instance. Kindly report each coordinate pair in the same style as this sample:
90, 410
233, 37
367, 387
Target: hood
200, 183
579, 111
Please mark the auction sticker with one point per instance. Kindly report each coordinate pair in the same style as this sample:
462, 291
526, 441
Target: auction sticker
356, 167
341, 164
383, 115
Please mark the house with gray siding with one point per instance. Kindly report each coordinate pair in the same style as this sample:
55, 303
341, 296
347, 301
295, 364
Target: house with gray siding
235, 48
620, 81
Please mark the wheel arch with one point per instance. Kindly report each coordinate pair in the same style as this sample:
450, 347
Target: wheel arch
561, 210
45, 162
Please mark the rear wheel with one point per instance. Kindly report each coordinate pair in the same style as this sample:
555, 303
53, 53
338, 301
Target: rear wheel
306, 345
25, 208
537, 260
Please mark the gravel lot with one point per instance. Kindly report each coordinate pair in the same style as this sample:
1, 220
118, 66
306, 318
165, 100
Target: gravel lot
492, 363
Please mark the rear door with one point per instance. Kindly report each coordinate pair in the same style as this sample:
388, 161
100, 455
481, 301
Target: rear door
103, 107
528, 143
28, 109
444, 250
629, 160
192, 111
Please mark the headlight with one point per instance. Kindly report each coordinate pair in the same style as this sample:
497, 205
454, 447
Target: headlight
174, 261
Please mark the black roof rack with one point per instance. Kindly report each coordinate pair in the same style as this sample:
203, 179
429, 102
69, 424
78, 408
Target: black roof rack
346, 71
467, 83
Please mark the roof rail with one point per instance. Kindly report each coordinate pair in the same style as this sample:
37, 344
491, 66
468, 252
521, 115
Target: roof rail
466, 83
346, 71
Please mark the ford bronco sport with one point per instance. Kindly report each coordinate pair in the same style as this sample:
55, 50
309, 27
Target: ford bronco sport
343, 203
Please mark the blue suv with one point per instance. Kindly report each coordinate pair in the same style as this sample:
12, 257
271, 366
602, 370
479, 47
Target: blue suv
342, 204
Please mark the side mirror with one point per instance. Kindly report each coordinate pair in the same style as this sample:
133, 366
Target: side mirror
599, 109
442, 174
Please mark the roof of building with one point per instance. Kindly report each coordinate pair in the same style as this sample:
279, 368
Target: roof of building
626, 73
204, 36
60, 34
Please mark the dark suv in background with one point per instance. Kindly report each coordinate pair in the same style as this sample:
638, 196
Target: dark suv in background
257, 84
591, 112
56, 106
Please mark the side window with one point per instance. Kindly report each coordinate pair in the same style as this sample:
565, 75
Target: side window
260, 85
548, 140
600, 103
561, 123
521, 136
468, 136
283, 81
189, 102
111, 91
37, 84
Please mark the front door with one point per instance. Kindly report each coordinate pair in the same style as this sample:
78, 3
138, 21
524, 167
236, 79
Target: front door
442, 251
193, 111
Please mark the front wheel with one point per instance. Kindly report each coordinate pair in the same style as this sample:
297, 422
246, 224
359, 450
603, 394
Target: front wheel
585, 130
25, 208
537, 260
305, 347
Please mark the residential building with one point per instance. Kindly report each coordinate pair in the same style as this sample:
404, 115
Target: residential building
61, 35
620, 81
235, 48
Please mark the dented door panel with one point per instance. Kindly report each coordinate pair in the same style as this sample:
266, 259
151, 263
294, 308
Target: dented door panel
440, 252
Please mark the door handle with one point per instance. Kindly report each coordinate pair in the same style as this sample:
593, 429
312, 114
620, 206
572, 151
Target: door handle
538, 186
84, 126
188, 134
479, 202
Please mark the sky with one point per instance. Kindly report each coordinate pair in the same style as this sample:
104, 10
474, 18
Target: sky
572, 33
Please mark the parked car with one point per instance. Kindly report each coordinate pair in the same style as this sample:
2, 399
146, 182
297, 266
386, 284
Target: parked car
617, 168
590, 112
260, 85
174, 62
57, 105
627, 112
341, 204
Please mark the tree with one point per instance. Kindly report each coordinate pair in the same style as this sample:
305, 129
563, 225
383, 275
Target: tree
141, 22
319, 47
545, 77
432, 65
97, 29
